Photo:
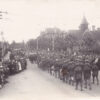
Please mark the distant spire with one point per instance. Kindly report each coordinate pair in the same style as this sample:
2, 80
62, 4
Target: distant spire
84, 25
84, 20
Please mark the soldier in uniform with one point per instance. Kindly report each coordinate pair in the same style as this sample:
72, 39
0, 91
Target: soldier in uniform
87, 74
95, 72
78, 76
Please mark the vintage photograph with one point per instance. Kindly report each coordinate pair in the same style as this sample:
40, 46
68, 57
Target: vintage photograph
49, 49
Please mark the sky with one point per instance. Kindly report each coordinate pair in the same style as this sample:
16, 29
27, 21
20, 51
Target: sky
27, 18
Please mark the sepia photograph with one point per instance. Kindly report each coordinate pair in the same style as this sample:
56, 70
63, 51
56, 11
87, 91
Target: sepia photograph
49, 49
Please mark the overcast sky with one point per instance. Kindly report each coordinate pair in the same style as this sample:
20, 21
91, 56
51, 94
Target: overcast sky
27, 18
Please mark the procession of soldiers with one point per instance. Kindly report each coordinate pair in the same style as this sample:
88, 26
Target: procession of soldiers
78, 70
13, 63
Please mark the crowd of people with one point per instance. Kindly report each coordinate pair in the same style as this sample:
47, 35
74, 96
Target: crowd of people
14, 62
75, 69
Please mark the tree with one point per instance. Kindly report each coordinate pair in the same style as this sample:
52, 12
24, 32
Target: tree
90, 43
51, 38
17, 45
71, 42
32, 44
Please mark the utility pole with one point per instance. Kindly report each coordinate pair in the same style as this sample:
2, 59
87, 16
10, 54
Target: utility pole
1, 14
53, 43
37, 44
2, 37
2, 44
53, 40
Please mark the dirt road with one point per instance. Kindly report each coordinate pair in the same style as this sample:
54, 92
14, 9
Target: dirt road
34, 84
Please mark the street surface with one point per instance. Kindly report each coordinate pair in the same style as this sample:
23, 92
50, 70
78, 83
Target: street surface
34, 84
